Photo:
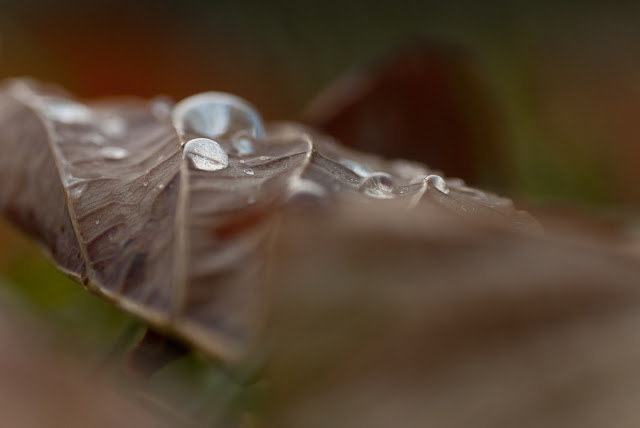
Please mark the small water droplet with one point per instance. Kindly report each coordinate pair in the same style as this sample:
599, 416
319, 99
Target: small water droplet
97, 221
145, 183
161, 107
379, 185
205, 154
216, 114
249, 171
265, 158
113, 126
160, 186
242, 146
438, 182
66, 111
113, 153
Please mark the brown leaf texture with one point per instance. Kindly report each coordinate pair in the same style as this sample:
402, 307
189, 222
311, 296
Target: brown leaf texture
170, 211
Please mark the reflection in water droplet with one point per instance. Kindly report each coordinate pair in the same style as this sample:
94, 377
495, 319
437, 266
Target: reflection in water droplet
113, 126
356, 167
205, 154
438, 182
379, 185
113, 153
216, 115
249, 171
242, 146
66, 111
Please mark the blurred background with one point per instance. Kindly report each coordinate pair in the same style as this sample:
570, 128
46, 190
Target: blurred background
535, 100
559, 81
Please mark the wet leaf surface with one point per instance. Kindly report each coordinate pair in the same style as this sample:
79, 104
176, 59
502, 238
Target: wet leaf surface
170, 211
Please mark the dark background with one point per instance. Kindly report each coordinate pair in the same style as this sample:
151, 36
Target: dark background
564, 78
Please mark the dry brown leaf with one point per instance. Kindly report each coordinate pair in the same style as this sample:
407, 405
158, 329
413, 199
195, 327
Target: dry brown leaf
169, 211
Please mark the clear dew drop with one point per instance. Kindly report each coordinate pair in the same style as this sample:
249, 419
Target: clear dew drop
113, 153
97, 221
216, 115
205, 154
65, 111
249, 171
438, 182
161, 107
379, 185
145, 183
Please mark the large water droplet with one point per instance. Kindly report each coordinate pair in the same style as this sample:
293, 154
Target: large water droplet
205, 154
113, 153
249, 171
216, 115
438, 182
379, 185
66, 111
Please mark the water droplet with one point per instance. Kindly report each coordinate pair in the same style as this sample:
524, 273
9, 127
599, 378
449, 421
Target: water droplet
356, 167
216, 114
113, 153
97, 221
145, 183
265, 158
251, 200
249, 171
438, 182
113, 126
66, 111
205, 154
161, 107
242, 146
379, 185
160, 186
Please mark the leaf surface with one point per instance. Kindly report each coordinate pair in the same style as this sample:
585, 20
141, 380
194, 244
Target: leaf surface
170, 211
